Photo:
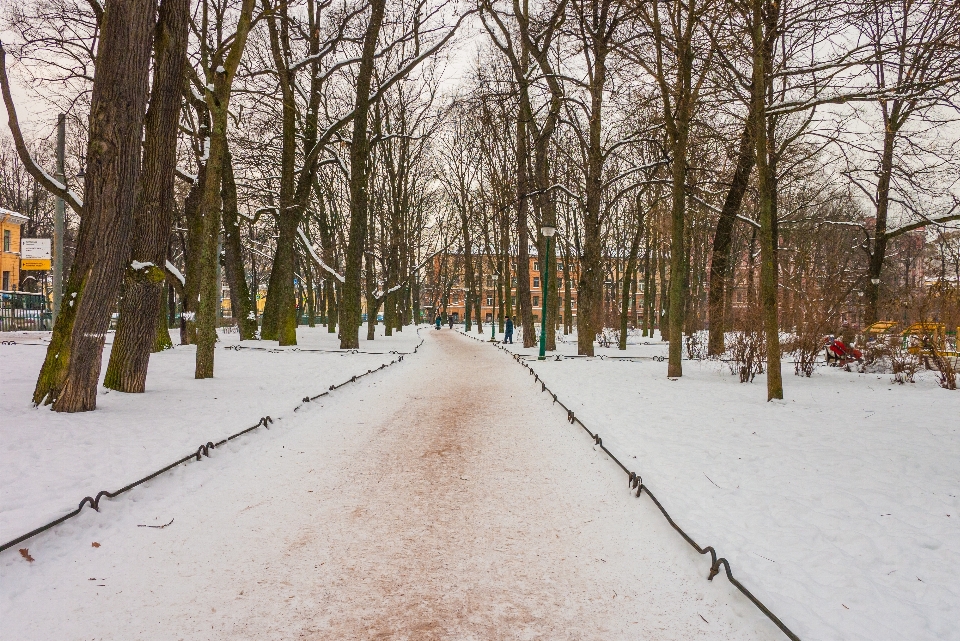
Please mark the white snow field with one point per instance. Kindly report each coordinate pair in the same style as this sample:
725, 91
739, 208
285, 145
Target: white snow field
838, 507
442, 498
51, 461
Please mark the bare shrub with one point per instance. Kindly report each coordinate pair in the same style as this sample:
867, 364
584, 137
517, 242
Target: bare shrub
746, 353
903, 364
696, 346
947, 376
608, 337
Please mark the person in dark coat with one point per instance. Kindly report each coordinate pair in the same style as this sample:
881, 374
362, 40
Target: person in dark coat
450, 320
508, 331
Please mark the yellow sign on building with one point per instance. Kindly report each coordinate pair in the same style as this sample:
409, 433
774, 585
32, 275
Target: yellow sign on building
35, 264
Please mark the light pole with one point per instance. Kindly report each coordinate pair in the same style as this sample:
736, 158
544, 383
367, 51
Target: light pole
548, 232
493, 310
58, 220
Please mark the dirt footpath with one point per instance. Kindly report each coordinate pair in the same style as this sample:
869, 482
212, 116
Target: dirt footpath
443, 499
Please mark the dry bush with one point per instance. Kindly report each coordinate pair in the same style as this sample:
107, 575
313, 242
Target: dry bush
696, 344
903, 364
608, 337
747, 348
947, 377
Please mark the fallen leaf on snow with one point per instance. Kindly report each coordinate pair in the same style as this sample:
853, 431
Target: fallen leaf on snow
25, 553
94, 545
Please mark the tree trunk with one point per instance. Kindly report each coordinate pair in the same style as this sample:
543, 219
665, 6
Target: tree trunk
153, 214
241, 305
679, 268
191, 288
628, 277
663, 309
523, 240
766, 179
879, 253
218, 101
71, 370
162, 340
280, 315
723, 237
359, 161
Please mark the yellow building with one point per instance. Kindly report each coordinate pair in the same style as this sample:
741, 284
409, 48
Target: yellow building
10, 222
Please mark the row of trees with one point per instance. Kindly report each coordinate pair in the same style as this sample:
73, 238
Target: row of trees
683, 149
795, 144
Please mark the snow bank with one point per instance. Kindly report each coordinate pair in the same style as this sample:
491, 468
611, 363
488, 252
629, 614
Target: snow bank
49, 461
838, 507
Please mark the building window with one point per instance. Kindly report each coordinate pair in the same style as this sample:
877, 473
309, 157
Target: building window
536, 266
489, 301
489, 281
6, 245
6, 281
536, 301
536, 282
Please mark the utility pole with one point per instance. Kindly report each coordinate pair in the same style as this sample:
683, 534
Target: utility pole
58, 223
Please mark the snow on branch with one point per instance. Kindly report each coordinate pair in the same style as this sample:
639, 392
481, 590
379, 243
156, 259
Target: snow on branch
316, 257
172, 269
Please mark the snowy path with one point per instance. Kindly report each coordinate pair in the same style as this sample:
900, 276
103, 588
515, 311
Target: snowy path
441, 499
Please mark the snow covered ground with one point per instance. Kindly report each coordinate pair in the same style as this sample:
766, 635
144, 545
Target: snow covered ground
839, 507
442, 498
50, 461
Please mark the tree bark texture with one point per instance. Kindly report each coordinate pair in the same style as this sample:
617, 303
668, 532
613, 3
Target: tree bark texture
279, 316
153, 215
628, 298
71, 370
723, 237
241, 305
766, 179
218, 101
359, 196
191, 287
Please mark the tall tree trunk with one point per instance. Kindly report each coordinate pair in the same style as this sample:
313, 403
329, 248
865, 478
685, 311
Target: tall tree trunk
191, 287
153, 214
359, 197
279, 317
71, 370
766, 180
161, 341
218, 100
628, 277
679, 267
723, 237
879, 249
241, 304
663, 308
523, 238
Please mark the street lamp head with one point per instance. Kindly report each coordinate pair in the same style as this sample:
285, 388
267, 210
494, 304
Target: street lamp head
548, 231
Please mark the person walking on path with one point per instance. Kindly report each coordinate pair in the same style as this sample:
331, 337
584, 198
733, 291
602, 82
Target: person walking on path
450, 321
437, 321
508, 331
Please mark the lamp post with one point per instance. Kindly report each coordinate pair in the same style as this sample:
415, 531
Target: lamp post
493, 310
548, 231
